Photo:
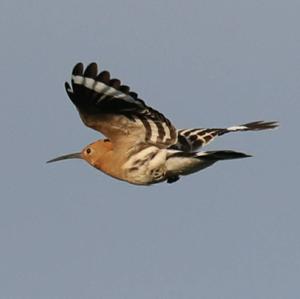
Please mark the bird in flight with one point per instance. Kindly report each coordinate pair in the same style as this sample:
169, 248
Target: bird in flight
142, 146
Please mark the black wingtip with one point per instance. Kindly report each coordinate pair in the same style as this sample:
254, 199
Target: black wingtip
78, 69
224, 155
125, 89
246, 156
104, 77
115, 83
70, 93
234, 155
91, 70
68, 87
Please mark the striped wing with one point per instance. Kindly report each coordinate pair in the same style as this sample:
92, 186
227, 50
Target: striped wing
112, 109
190, 140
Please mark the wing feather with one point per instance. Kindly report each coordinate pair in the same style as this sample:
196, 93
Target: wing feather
111, 108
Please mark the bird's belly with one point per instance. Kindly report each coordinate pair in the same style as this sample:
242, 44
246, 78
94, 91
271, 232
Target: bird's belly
146, 178
146, 167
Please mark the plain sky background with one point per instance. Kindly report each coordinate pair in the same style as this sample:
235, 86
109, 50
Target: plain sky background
228, 232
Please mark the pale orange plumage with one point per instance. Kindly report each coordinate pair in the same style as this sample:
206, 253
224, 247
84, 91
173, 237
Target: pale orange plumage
142, 146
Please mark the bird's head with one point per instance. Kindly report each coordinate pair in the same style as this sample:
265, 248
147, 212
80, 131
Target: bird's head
92, 153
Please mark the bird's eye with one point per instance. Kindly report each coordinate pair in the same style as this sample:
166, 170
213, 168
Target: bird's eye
88, 150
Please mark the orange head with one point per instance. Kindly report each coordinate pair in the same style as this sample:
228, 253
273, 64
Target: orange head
92, 153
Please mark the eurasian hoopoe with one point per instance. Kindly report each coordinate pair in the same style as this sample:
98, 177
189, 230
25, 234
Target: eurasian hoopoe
143, 147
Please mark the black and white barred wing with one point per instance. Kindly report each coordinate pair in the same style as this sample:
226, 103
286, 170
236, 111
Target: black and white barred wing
112, 109
189, 140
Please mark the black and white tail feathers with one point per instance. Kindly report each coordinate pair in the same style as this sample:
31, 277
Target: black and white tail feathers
192, 139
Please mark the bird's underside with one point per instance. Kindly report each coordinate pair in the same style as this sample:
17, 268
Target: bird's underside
142, 145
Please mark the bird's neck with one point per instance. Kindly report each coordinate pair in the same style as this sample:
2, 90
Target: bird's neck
110, 161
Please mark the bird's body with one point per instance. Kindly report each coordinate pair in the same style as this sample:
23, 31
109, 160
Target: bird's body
142, 146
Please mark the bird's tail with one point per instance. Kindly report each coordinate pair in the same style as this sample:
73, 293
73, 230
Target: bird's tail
253, 126
190, 140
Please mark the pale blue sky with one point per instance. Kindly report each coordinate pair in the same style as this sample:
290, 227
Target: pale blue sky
231, 231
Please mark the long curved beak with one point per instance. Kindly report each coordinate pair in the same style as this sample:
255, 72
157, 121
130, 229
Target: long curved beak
64, 157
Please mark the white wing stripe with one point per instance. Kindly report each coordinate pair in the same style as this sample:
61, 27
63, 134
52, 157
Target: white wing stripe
88, 82
167, 132
154, 130
181, 132
77, 79
101, 87
197, 132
